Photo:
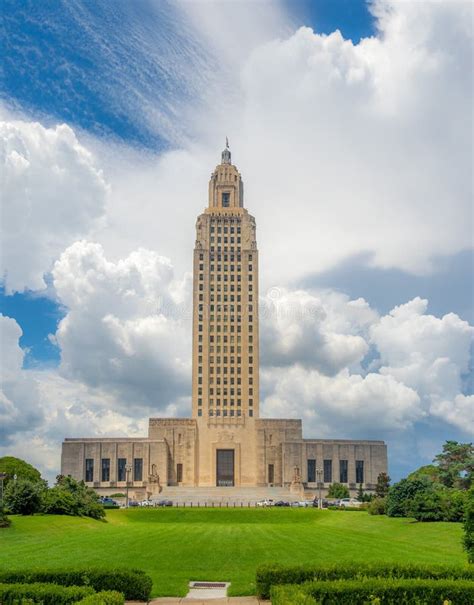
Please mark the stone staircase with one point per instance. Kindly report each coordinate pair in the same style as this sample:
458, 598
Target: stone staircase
224, 496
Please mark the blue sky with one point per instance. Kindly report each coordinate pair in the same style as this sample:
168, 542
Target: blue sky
338, 135
61, 77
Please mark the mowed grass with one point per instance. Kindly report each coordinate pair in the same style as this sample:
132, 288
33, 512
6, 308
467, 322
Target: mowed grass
178, 545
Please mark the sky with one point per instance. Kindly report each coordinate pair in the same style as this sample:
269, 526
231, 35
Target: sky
351, 123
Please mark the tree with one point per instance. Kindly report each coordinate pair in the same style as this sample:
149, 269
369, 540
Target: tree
469, 526
456, 464
71, 497
15, 466
429, 471
426, 506
338, 490
401, 493
377, 506
23, 497
382, 486
360, 493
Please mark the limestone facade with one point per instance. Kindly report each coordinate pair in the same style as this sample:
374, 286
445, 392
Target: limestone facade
225, 443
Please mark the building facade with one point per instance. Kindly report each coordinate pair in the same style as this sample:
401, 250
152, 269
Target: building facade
225, 443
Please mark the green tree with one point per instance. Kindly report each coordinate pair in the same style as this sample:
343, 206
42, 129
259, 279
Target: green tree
338, 490
429, 471
469, 526
382, 486
15, 466
71, 497
23, 497
360, 493
456, 464
401, 493
426, 505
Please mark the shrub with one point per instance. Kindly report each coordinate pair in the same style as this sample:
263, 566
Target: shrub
373, 591
23, 497
133, 583
46, 594
390, 591
382, 486
378, 506
272, 574
71, 497
106, 597
469, 526
338, 490
4, 520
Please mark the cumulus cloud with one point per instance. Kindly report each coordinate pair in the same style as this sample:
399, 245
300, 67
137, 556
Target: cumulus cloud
345, 405
18, 391
323, 331
128, 328
52, 193
429, 354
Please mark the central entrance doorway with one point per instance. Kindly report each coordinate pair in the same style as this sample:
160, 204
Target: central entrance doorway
225, 468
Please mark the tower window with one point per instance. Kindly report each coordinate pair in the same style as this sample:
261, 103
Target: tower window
225, 199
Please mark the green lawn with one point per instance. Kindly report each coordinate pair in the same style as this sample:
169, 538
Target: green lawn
178, 545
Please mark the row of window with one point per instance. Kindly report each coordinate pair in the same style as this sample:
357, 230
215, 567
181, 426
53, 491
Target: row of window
225, 229
217, 412
225, 392
224, 349
137, 469
225, 380
226, 240
225, 257
327, 471
225, 318
223, 328
226, 277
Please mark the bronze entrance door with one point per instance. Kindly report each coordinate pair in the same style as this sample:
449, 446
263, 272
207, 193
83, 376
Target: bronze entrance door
225, 468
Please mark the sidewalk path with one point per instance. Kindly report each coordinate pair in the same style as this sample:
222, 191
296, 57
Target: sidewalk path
188, 601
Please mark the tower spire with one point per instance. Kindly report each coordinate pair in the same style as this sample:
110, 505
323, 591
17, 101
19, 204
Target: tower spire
226, 156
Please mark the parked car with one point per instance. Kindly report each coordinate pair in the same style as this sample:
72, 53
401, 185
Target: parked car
349, 503
266, 502
164, 503
108, 501
146, 503
133, 503
281, 503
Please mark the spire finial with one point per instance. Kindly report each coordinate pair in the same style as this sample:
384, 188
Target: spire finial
226, 158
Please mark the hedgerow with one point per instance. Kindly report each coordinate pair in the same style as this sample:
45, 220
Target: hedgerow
274, 574
135, 584
46, 594
388, 591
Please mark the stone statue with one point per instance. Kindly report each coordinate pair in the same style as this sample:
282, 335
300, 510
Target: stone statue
154, 479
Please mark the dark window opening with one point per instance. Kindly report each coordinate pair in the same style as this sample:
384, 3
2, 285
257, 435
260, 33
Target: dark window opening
121, 469
179, 472
359, 471
343, 471
271, 473
327, 469
89, 469
311, 471
138, 469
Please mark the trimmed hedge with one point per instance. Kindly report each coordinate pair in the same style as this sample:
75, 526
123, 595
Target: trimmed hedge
273, 574
133, 583
106, 597
46, 594
389, 591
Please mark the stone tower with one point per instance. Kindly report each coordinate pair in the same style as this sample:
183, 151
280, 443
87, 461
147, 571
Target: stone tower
225, 303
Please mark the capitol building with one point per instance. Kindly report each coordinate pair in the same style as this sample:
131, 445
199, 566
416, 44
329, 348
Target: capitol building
225, 447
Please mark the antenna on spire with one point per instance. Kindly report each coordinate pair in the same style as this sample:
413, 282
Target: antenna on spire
226, 158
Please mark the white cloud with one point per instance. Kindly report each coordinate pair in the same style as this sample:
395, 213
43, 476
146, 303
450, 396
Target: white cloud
429, 354
52, 193
324, 330
18, 392
344, 405
128, 329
